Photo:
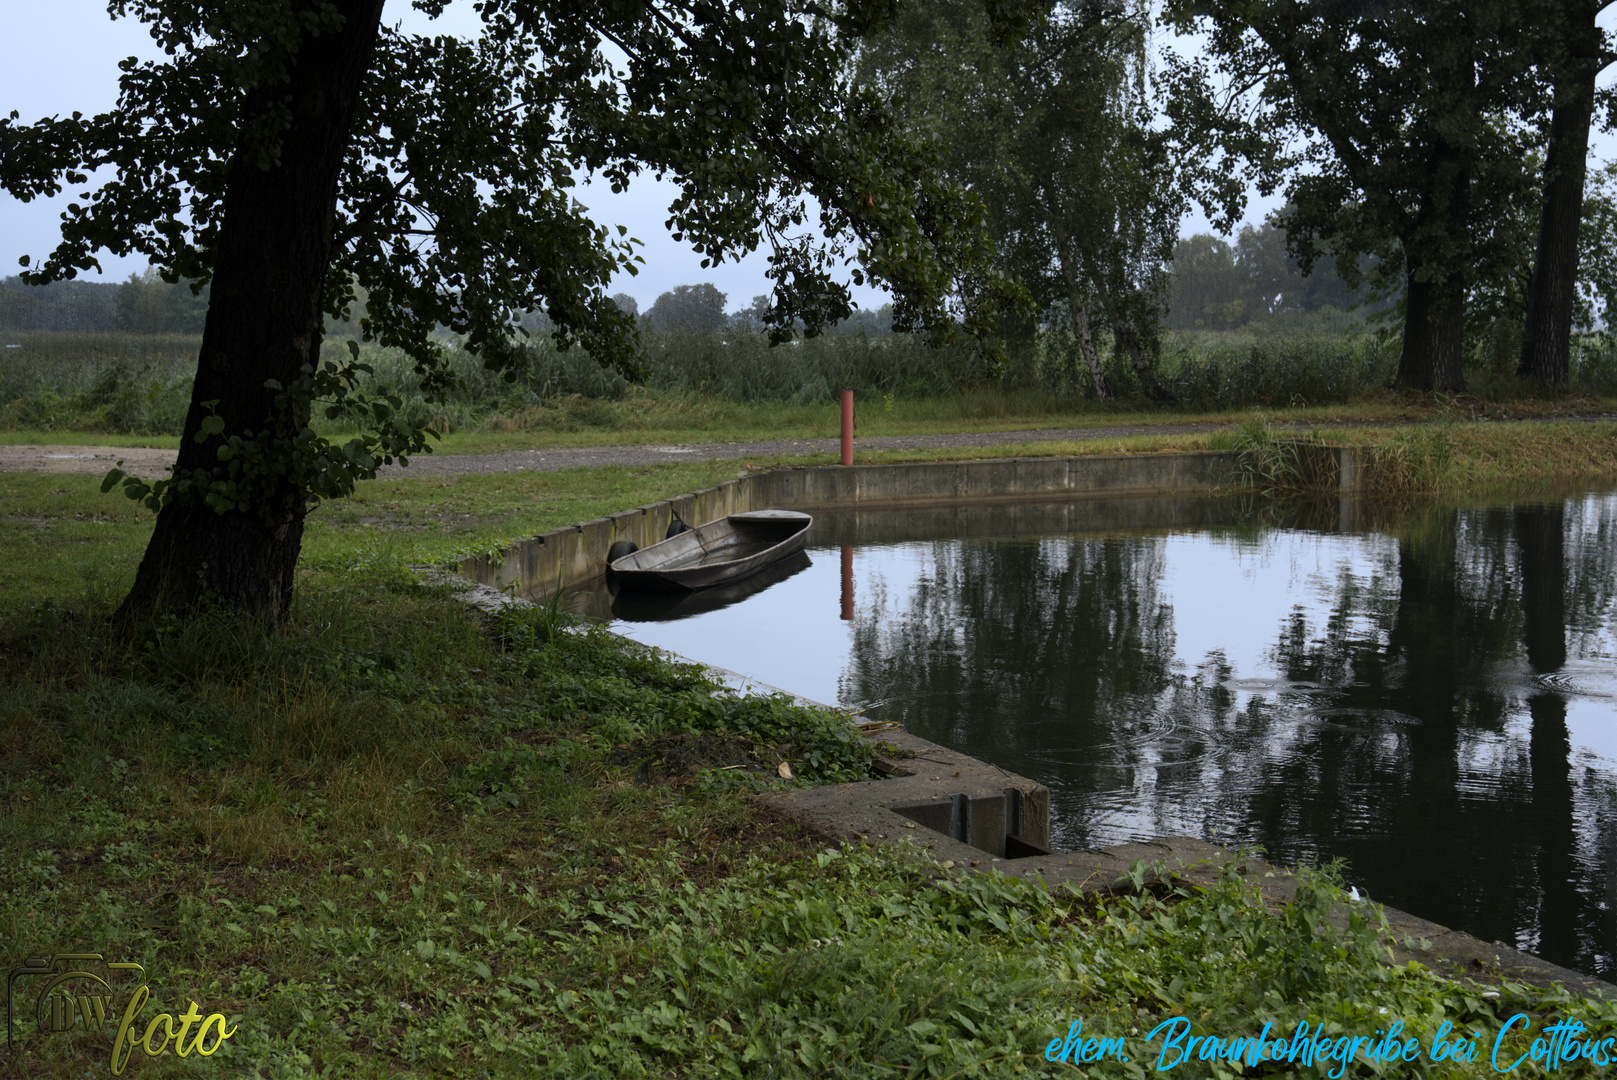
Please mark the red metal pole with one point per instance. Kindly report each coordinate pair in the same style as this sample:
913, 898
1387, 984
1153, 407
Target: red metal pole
847, 427
847, 583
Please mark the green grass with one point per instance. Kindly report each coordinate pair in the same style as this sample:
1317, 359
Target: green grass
396, 839
61, 538
393, 840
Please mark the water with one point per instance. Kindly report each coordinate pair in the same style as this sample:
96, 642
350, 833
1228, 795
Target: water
1430, 696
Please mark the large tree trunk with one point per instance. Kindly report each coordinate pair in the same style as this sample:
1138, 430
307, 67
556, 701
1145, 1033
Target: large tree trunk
1547, 343
1434, 335
264, 322
1080, 322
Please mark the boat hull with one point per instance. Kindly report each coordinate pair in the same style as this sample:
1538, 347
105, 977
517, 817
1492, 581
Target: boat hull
720, 552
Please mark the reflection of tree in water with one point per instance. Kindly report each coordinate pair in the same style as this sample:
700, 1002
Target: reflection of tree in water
1393, 739
1025, 648
1444, 813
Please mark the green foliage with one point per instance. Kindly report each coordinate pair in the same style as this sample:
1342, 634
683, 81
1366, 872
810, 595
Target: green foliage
60, 307
1417, 461
1268, 463
1597, 252
1215, 374
149, 305
1046, 115
1404, 137
287, 466
647, 698
744, 367
698, 308
1217, 286
747, 109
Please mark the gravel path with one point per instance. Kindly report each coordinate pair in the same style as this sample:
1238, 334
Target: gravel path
142, 461
150, 463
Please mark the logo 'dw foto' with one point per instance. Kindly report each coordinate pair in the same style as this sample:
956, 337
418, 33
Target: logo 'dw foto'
71, 993
69, 990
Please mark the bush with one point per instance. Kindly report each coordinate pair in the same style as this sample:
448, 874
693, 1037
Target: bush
743, 367
132, 384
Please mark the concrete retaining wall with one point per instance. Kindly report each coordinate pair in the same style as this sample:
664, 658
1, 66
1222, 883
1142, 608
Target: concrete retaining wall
569, 557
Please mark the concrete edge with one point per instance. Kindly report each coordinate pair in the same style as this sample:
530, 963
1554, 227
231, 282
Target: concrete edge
575, 554
864, 817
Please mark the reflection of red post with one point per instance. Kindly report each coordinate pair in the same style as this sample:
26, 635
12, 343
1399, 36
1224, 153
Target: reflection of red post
847, 582
847, 427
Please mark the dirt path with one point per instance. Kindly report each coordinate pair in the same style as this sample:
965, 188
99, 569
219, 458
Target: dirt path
141, 461
150, 463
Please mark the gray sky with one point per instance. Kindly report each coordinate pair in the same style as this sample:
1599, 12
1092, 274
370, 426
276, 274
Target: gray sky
58, 56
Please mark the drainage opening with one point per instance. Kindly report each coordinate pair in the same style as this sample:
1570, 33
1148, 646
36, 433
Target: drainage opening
991, 823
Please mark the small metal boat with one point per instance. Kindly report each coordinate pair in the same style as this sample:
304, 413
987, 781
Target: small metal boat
669, 605
717, 553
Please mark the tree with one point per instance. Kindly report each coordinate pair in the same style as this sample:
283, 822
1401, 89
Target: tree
752, 319
149, 305
290, 151
62, 305
1207, 291
1217, 286
1415, 127
1578, 54
1049, 121
688, 307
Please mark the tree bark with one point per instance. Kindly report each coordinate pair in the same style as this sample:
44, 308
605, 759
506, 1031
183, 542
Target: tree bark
264, 322
1547, 341
1434, 335
1080, 324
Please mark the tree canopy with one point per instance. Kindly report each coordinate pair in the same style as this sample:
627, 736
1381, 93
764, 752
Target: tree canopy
1404, 132
289, 152
1045, 111
688, 307
1221, 286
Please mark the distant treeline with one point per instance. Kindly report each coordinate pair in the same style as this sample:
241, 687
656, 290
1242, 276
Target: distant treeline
1216, 285
1213, 285
145, 304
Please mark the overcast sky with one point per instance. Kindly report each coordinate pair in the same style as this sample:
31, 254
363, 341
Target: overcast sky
61, 56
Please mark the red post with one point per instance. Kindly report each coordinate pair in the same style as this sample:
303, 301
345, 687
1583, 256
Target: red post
847, 427
847, 583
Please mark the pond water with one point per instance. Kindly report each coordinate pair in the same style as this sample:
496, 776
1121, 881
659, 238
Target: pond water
1430, 695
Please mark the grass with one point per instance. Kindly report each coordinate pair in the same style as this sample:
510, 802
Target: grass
62, 538
1442, 458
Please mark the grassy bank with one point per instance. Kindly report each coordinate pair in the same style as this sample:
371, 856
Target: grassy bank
62, 538
1436, 459
399, 839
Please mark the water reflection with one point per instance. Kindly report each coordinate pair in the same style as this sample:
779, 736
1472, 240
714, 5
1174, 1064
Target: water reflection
1432, 700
